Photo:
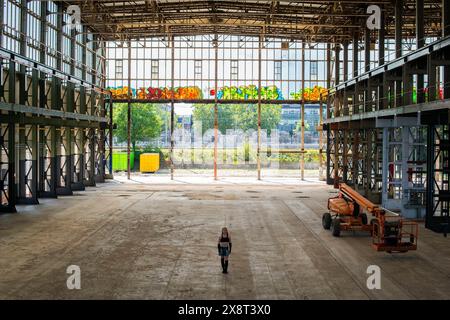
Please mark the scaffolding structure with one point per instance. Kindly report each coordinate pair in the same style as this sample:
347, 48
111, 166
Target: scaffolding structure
54, 111
388, 126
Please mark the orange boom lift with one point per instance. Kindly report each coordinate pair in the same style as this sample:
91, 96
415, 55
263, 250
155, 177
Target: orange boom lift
348, 212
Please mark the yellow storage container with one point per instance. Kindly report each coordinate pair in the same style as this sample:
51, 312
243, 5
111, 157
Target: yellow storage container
149, 162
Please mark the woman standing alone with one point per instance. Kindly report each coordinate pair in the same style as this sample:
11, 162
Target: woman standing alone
224, 248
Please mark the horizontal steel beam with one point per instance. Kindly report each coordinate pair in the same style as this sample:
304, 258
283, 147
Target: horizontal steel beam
409, 109
18, 108
23, 119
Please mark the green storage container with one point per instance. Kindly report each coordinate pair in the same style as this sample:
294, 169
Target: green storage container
120, 161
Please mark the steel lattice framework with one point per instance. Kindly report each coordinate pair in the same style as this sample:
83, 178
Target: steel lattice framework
311, 20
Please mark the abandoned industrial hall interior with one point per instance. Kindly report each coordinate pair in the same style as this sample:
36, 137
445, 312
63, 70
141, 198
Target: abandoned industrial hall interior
225, 150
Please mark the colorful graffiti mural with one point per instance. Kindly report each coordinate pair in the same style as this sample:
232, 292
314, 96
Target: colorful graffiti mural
151, 93
310, 94
249, 92
122, 92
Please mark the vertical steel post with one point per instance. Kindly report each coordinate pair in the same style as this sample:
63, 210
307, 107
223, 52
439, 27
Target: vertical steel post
398, 11
355, 53
2, 5
337, 49
21, 128
336, 158
398, 47
328, 65
344, 143
72, 51
345, 67
11, 205
172, 107
69, 152
83, 54
216, 111
258, 156
111, 128
381, 39
407, 85
382, 87
430, 201
445, 33
328, 113
302, 115
22, 194
129, 123
420, 41
320, 129
59, 26
328, 80
23, 30
367, 43
328, 151
345, 62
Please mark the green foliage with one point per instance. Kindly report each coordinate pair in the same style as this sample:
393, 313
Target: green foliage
205, 114
241, 116
311, 155
298, 127
146, 122
150, 149
247, 151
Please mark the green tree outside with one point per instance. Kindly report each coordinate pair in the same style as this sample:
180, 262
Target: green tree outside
238, 116
147, 121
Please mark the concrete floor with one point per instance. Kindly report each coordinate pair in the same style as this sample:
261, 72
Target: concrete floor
155, 239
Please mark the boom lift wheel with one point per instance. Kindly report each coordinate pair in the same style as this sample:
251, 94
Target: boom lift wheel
326, 221
336, 227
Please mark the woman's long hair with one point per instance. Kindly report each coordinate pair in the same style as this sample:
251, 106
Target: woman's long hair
224, 229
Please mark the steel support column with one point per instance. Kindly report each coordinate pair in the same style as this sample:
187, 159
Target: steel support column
328, 66
89, 142
109, 157
407, 85
337, 50
216, 111
320, 130
330, 155
398, 11
302, 116
432, 79
69, 134
420, 41
258, 154
129, 120
7, 141
59, 26
445, 33
367, 43
2, 5
355, 58
383, 86
345, 62
172, 113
